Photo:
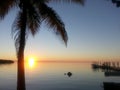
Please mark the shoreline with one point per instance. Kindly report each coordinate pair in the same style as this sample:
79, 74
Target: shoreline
2, 61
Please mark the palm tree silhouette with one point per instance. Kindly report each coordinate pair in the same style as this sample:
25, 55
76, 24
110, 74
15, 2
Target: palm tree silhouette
31, 13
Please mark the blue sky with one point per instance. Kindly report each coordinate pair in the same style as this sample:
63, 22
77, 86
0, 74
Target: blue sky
93, 31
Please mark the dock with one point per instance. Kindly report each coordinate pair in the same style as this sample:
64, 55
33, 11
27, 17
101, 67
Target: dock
107, 66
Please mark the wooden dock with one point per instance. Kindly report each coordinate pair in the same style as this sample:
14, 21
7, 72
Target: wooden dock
107, 66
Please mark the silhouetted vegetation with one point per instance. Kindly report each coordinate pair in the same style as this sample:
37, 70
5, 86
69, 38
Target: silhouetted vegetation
2, 61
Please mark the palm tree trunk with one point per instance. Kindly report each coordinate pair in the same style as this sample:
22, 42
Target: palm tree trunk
21, 69
21, 73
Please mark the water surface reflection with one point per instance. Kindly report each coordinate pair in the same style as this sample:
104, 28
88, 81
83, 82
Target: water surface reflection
50, 76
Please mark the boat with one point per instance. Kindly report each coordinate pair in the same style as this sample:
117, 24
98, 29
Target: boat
113, 73
111, 86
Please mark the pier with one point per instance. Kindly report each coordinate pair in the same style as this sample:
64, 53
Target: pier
107, 66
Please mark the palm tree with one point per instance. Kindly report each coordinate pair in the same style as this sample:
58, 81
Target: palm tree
117, 2
29, 18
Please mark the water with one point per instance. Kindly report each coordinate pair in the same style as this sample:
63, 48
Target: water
51, 76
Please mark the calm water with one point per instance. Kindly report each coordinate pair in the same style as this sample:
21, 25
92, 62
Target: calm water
51, 76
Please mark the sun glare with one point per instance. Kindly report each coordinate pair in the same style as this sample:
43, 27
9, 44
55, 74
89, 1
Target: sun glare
31, 62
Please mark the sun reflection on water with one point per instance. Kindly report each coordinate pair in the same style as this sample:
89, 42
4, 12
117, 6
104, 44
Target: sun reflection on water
31, 62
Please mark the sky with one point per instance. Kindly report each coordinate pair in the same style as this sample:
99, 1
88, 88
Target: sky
93, 32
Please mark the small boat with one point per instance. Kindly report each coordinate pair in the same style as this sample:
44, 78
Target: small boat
69, 74
111, 86
114, 73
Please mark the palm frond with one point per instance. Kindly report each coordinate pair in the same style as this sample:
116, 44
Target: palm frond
5, 6
33, 19
79, 1
82, 2
52, 20
16, 30
116, 2
40, 1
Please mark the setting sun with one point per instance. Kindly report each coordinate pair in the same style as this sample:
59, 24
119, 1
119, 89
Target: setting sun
31, 62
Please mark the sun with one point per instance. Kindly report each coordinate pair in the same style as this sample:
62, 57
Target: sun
31, 62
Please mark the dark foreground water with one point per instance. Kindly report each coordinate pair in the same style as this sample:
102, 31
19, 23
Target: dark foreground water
52, 76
